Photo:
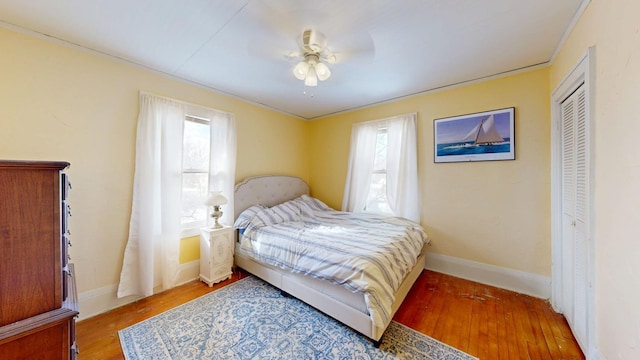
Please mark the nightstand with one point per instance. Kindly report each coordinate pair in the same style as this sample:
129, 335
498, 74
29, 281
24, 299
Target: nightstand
216, 254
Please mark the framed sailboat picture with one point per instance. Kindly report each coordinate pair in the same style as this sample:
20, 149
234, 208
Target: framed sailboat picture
475, 137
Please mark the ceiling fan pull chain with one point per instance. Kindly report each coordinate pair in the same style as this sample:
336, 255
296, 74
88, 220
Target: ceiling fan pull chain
304, 92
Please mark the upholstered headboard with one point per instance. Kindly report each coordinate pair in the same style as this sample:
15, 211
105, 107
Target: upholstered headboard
267, 190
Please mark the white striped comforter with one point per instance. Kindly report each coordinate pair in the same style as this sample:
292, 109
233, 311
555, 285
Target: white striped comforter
366, 253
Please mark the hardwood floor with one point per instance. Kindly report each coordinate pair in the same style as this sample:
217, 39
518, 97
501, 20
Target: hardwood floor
485, 321
481, 320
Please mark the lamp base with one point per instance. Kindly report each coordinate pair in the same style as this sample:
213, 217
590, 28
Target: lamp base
216, 214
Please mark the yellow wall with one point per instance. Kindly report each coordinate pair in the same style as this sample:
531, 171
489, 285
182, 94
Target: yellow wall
491, 212
613, 28
190, 249
59, 103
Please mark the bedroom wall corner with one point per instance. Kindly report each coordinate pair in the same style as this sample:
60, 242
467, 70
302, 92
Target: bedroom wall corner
271, 143
329, 154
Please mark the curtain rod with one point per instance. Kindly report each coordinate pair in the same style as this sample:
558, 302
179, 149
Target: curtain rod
141, 92
387, 118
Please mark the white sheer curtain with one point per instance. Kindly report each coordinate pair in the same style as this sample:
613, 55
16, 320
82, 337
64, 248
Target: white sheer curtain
151, 256
361, 161
403, 192
222, 167
401, 166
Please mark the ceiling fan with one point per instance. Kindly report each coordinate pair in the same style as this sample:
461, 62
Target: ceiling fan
315, 55
314, 35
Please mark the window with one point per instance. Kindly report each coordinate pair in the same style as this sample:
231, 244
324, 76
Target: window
382, 176
377, 198
172, 177
195, 173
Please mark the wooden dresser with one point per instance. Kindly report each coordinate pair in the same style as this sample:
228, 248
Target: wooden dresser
38, 301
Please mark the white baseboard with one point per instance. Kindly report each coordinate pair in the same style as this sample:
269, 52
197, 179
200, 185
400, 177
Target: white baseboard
101, 300
514, 280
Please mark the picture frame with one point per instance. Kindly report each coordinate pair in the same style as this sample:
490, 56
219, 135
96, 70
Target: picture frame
482, 136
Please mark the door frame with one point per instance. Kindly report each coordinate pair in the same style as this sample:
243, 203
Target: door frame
582, 72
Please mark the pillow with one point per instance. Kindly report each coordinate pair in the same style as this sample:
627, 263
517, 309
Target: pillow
264, 217
267, 217
314, 203
245, 217
288, 211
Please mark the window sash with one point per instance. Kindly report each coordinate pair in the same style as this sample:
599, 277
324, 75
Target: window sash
190, 228
377, 201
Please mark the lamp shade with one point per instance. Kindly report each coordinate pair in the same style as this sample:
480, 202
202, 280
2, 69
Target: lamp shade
311, 69
311, 79
322, 71
300, 71
215, 198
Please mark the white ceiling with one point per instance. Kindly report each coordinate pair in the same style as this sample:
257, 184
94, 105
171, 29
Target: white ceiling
239, 47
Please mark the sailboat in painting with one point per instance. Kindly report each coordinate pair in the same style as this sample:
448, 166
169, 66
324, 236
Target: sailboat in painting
485, 133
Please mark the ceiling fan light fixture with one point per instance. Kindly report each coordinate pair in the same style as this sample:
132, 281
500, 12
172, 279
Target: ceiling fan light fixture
311, 69
300, 71
322, 71
311, 79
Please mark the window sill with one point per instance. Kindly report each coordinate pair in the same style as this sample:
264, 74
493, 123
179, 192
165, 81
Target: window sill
189, 232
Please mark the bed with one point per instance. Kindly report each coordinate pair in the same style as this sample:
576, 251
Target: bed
340, 301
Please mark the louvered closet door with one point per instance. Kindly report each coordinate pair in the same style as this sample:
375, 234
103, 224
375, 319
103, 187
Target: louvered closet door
575, 212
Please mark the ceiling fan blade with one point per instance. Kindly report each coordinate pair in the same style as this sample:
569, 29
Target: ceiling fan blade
285, 18
348, 57
280, 25
356, 47
273, 46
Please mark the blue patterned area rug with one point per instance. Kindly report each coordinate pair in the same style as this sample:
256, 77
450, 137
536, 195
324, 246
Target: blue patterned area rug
250, 319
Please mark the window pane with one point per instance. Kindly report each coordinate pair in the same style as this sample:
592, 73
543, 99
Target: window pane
194, 192
377, 199
195, 154
380, 161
